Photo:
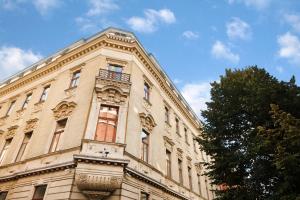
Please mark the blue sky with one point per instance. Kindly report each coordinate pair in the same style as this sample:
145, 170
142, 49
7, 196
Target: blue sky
194, 40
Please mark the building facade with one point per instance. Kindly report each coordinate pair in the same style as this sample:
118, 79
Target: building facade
98, 120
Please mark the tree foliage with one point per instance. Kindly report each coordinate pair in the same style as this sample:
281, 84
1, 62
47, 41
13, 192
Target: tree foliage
240, 103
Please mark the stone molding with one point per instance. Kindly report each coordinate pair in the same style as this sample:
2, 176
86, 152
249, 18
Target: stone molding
111, 94
11, 131
147, 122
63, 110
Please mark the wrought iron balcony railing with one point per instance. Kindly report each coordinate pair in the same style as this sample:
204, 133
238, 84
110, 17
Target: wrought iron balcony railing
112, 75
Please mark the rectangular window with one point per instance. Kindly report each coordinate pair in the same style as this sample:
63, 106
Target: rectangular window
167, 115
180, 171
199, 184
60, 128
75, 79
10, 108
186, 136
28, 97
107, 124
115, 72
3, 195
144, 196
190, 177
23, 147
146, 91
5, 149
169, 164
195, 145
145, 145
39, 192
177, 125
45, 93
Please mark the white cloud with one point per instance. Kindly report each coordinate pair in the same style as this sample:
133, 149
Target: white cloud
293, 20
238, 29
221, 51
289, 45
13, 59
190, 35
279, 69
152, 19
43, 6
196, 94
99, 7
258, 4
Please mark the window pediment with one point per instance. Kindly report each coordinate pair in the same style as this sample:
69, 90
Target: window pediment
63, 110
30, 125
147, 122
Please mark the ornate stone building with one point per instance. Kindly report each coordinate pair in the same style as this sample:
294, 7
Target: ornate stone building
98, 120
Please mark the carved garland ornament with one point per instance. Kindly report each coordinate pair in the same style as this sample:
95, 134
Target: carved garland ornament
63, 110
147, 122
112, 95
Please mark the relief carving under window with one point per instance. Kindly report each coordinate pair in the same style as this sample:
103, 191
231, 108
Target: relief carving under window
63, 110
147, 122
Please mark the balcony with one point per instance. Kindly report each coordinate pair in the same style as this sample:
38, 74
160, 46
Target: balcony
114, 76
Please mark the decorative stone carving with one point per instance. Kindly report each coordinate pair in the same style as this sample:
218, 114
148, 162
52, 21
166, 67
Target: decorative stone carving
168, 143
189, 161
11, 131
30, 125
112, 95
63, 110
109, 82
38, 106
97, 186
147, 122
198, 167
179, 153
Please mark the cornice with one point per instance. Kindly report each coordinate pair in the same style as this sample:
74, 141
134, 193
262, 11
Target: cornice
106, 40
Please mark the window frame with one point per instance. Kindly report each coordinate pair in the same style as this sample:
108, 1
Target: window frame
147, 196
74, 82
180, 171
11, 107
147, 91
199, 183
190, 177
5, 193
45, 93
57, 135
167, 114
177, 125
145, 145
169, 163
23, 146
26, 101
5, 149
107, 119
36, 189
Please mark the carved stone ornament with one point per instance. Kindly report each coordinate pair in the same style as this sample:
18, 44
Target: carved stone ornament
112, 95
97, 186
168, 143
63, 110
11, 131
179, 153
30, 125
147, 122
1, 132
198, 167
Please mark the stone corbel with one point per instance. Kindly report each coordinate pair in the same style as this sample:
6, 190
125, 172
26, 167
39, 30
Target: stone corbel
147, 122
63, 110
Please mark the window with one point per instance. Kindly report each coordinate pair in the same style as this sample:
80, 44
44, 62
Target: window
23, 146
195, 145
146, 91
145, 145
180, 171
5, 149
45, 93
60, 128
25, 104
10, 108
3, 195
39, 192
144, 196
167, 115
169, 164
115, 68
75, 79
199, 184
107, 124
186, 136
190, 177
177, 125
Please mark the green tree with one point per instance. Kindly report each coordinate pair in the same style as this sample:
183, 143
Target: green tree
240, 102
283, 142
